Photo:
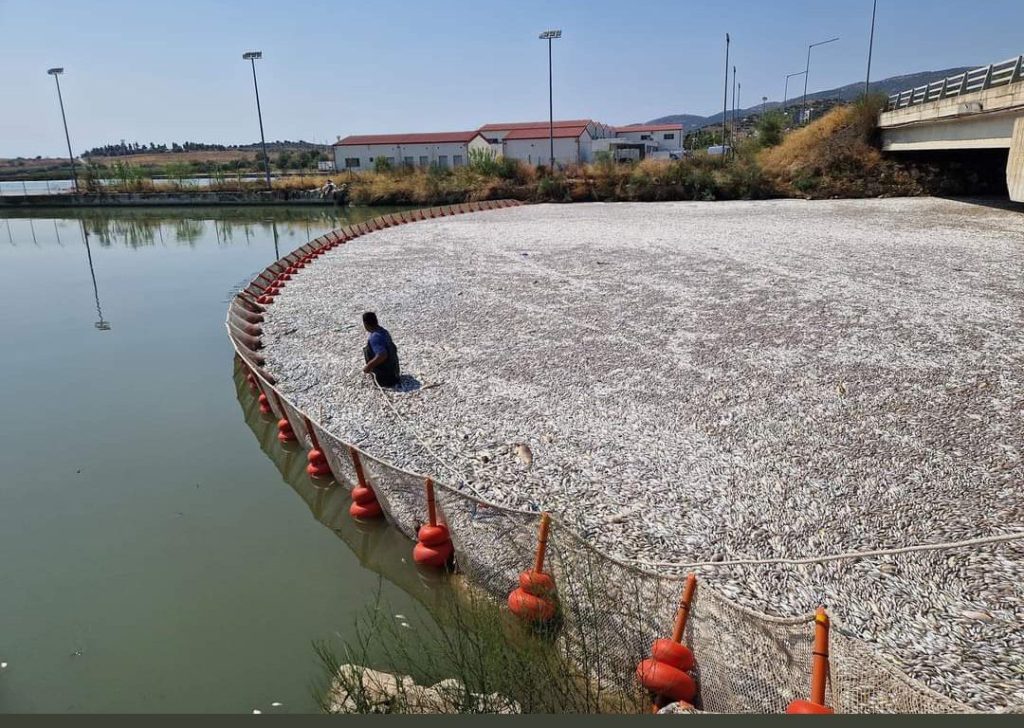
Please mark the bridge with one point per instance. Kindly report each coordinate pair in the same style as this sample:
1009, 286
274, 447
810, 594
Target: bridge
978, 109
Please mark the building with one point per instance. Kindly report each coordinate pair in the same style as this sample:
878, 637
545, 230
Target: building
666, 137
360, 152
530, 141
575, 141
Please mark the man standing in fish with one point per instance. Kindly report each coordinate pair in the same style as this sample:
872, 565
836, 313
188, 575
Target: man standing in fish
380, 353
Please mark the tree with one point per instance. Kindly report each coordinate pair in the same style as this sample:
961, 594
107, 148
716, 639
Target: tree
769, 128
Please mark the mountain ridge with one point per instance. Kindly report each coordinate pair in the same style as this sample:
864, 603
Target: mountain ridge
849, 92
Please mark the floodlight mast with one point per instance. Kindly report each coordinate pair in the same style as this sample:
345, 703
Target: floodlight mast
252, 57
550, 35
56, 72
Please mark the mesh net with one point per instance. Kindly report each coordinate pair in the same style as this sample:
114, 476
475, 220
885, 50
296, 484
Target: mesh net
748, 661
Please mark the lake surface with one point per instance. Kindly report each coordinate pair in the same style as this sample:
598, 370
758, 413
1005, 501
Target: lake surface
155, 558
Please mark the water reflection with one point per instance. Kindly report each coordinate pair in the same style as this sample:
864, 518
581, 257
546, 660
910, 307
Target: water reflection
286, 227
101, 324
378, 546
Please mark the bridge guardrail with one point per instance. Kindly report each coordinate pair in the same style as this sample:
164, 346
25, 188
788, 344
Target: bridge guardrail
978, 79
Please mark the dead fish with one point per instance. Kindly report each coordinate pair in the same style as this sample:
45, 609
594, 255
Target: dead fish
841, 389
524, 453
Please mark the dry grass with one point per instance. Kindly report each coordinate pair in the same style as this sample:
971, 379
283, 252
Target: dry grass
836, 156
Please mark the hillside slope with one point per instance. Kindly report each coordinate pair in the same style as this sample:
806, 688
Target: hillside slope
848, 92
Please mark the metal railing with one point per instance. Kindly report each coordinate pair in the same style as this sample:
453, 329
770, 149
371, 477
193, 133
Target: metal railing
978, 79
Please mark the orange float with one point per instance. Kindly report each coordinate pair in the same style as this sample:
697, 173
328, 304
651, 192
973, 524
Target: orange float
664, 673
434, 543
534, 599
318, 467
364, 501
819, 671
285, 433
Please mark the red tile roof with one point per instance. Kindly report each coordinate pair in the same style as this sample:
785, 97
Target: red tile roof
441, 137
560, 132
534, 124
650, 127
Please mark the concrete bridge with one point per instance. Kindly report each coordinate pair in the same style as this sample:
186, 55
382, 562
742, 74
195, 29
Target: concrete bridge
978, 109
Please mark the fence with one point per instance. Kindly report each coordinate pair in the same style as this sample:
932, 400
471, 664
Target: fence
978, 79
612, 610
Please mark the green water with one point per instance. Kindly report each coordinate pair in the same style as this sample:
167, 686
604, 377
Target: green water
160, 552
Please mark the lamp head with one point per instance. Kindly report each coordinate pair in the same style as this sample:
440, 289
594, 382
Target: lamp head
55, 71
252, 55
549, 34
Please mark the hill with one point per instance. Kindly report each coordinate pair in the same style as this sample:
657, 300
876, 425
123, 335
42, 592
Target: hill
848, 92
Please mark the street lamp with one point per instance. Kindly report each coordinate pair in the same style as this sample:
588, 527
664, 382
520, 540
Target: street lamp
871, 46
807, 71
252, 57
785, 96
550, 35
56, 72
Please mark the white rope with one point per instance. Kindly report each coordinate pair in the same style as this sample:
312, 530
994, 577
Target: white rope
412, 432
946, 545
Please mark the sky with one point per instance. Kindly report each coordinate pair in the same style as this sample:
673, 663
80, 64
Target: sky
172, 71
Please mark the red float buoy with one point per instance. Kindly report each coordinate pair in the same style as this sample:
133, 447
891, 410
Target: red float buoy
664, 673
364, 500
534, 599
434, 544
285, 433
819, 671
264, 403
318, 467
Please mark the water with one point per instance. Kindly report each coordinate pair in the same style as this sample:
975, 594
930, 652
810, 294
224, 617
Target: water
154, 557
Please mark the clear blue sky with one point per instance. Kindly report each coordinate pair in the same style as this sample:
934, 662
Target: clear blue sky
170, 71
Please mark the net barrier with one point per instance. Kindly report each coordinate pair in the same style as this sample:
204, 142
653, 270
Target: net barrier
611, 610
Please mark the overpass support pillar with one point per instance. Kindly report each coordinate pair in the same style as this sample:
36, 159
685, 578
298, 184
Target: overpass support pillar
1015, 165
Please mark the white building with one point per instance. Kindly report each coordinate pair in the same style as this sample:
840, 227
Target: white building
360, 152
666, 137
530, 141
575, 141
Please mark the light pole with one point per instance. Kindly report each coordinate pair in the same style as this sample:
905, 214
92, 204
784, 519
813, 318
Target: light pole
871, 46
725, 98
56, 72
764, 105
785, 96
550, 35
732, 126
807, 71
252, 57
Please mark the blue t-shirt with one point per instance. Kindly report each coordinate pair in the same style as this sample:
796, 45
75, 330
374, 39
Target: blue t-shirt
380, 341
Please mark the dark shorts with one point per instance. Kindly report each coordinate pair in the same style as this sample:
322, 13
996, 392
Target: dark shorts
386, 374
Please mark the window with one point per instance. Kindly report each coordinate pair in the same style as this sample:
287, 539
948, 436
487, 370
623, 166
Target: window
668, 136
645, 136
457, 160
442, 160
408, 161
424, 161
351, 162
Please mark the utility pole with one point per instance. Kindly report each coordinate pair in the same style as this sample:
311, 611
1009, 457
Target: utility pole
56, 72
725, 99
871, 46
732, 127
